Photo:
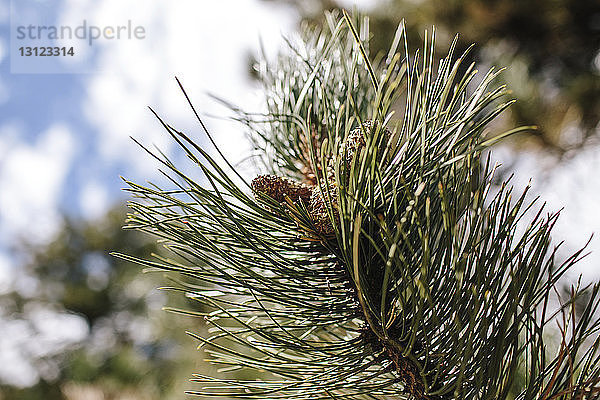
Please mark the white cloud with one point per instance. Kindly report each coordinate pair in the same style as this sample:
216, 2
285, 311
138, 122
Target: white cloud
24, 343
364, 5
93, 200
32, 178
55, 331
3, 49
15, 369
6, 276
206, 44
574, 187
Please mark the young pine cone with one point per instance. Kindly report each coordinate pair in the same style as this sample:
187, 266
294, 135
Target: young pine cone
278, 187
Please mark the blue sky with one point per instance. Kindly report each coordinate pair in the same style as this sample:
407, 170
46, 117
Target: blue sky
64, 138
36, 102
97, 112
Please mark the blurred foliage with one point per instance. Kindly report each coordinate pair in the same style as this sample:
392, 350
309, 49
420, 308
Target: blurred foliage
132, 349
551, 48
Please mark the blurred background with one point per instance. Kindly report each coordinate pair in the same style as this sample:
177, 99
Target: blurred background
76, 323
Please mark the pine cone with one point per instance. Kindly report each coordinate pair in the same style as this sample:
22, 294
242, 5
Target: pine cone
277, 187
356, 141
318, 210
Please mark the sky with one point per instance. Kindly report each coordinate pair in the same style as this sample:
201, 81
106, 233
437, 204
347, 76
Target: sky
65, 137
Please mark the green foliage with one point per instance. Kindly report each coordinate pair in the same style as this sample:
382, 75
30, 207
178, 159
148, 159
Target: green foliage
551, 46
432, 284
75, 274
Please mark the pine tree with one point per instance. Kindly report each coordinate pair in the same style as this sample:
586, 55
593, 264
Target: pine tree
373, 257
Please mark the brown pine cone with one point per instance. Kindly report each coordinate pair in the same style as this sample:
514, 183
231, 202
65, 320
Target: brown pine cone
356, 141
318, 210
277, 187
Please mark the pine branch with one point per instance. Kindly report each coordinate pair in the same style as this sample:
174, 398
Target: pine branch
372, 259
